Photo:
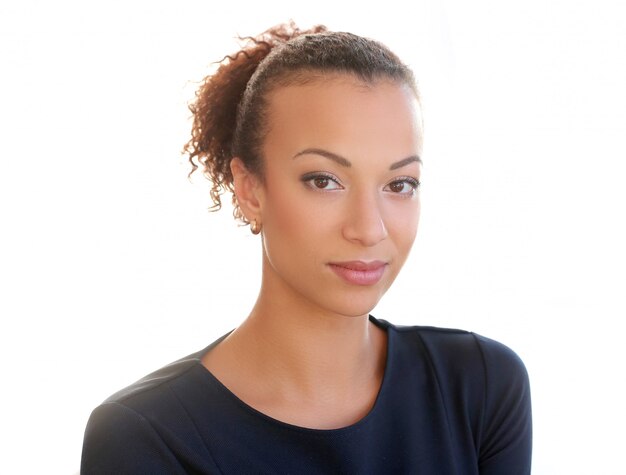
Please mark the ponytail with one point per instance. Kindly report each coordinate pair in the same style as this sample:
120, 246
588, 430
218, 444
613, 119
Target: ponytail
230, 109
215, 111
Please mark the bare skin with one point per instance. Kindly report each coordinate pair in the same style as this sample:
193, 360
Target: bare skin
307, 354
307, 373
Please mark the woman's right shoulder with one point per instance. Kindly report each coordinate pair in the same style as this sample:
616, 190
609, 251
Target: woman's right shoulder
153, 382
138, 429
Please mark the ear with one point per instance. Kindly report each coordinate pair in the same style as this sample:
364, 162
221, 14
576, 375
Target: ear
248, 190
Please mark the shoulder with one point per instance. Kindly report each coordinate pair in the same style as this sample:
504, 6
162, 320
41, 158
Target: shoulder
472, 363
178, 376
147, 400
148, 427
460, 351
484, 385
154, 382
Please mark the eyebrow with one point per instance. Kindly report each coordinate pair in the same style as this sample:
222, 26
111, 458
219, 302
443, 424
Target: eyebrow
346, 163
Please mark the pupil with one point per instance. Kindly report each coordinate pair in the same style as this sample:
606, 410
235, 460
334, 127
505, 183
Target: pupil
321, 182
397, 186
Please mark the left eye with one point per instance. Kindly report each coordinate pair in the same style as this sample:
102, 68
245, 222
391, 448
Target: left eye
405, 186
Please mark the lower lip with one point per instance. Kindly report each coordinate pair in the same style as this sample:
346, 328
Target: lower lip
359, 277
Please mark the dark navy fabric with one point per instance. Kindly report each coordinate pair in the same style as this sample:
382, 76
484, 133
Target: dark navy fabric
451, 402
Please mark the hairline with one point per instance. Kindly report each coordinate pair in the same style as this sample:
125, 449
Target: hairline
291, 79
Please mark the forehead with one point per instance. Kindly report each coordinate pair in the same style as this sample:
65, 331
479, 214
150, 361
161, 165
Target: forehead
346, 115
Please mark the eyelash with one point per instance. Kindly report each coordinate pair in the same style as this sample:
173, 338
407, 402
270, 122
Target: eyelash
413, 183
309, 177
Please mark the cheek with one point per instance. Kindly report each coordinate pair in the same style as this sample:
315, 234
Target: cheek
403, 223
294, 209
416, 219
294, 227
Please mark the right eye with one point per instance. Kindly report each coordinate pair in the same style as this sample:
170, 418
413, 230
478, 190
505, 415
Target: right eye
321, 181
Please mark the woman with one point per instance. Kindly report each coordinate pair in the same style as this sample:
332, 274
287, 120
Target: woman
319, 136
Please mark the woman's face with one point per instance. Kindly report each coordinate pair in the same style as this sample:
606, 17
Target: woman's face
340, 204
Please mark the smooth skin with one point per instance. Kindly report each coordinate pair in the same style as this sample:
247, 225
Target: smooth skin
307, 354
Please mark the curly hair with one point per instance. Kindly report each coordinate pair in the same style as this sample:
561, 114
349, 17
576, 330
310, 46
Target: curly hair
230, 108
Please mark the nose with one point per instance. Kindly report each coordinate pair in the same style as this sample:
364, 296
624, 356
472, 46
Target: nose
364, 221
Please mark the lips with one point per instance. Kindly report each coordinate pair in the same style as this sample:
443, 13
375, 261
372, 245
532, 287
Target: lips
359, 272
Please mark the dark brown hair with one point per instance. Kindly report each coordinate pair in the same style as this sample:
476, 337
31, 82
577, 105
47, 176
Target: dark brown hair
230, 108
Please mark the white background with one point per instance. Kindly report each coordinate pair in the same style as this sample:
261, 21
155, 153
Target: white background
111, 265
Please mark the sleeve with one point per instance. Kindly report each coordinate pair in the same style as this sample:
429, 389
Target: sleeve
506, 435
120, 441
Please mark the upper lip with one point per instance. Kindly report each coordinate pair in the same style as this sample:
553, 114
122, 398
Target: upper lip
360, 265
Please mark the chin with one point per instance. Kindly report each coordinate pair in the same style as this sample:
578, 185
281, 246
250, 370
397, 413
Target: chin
355, 300
353, 306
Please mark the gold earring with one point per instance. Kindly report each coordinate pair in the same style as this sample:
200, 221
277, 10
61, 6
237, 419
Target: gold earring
255, 227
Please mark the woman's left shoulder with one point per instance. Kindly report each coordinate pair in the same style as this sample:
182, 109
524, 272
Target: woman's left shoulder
484, 386
462, 351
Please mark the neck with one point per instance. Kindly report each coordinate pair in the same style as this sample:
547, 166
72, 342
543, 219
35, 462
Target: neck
306, 351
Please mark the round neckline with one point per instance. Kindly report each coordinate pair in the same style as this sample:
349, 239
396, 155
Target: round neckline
286, 425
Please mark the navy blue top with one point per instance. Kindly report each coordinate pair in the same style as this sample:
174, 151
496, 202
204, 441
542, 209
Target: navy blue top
451, 402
